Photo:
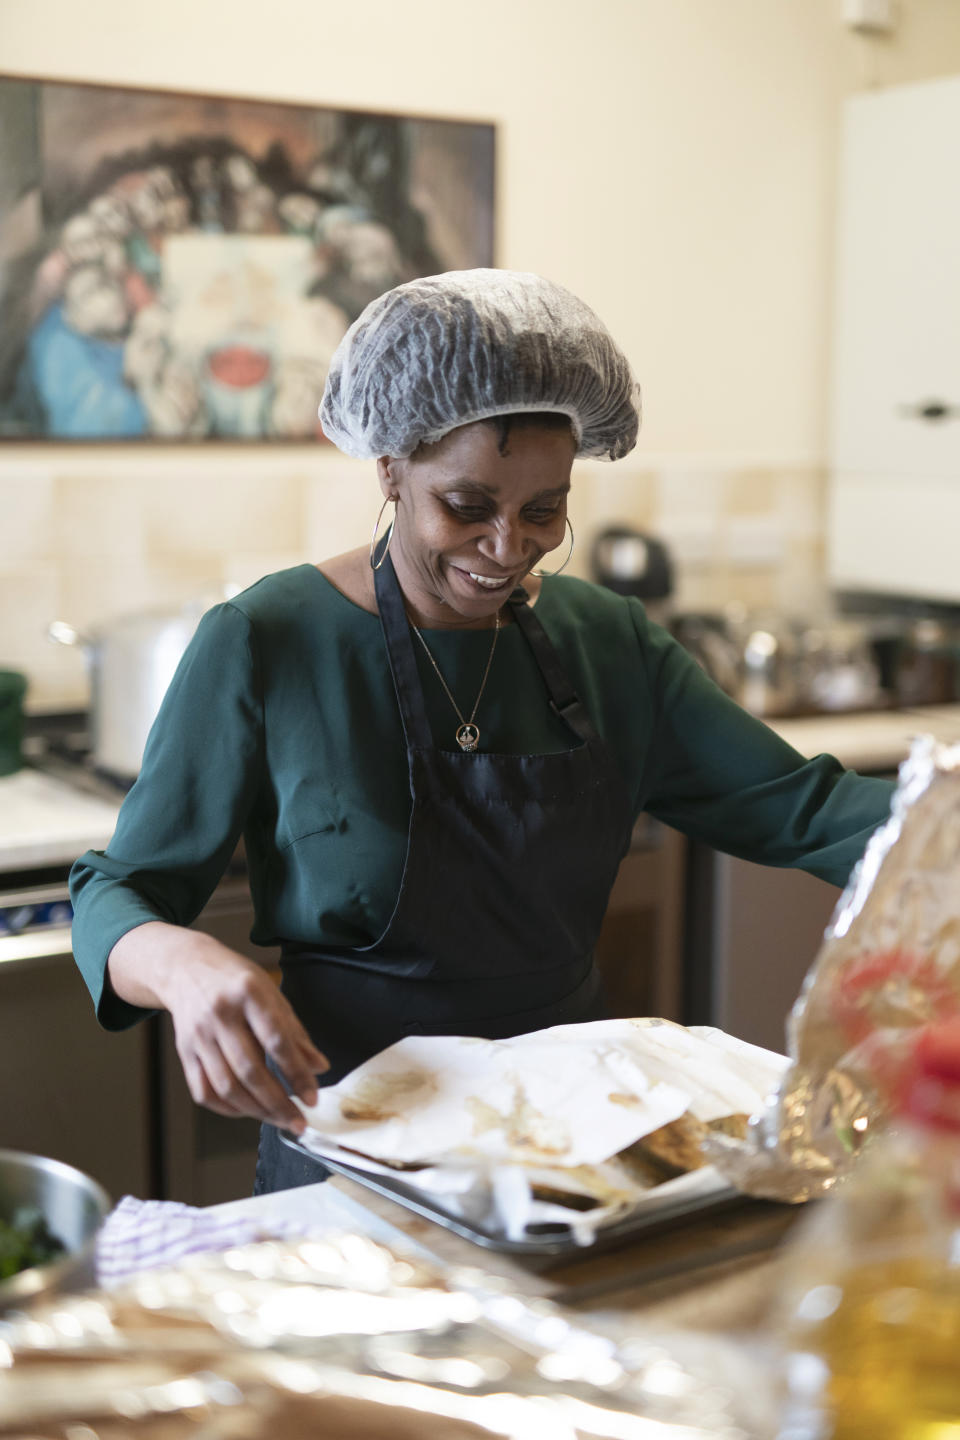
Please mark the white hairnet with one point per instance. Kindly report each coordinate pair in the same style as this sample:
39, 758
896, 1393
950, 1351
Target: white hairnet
449, 349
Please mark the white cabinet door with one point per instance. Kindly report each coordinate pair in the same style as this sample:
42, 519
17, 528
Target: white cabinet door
895, 535
897, 303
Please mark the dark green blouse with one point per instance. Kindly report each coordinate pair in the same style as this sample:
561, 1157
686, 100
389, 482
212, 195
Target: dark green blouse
281, 724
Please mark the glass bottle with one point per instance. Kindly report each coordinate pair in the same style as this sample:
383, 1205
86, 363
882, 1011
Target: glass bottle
872, 1289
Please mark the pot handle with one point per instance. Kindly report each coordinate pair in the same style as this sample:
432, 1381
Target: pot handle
64, 634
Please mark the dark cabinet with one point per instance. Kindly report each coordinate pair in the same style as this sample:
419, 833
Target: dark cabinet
640, 948
68, 1089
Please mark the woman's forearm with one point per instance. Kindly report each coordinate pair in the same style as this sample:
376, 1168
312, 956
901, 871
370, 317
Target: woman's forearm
140, 964
231, 1023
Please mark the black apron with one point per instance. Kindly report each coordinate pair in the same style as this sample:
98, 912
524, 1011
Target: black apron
509, 866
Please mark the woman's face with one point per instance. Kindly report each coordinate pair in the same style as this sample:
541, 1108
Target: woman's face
470, 523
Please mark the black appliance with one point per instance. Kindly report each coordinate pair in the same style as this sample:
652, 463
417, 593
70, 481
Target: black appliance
631, 562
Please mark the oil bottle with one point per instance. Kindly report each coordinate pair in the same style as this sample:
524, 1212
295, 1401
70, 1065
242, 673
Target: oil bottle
872, 1277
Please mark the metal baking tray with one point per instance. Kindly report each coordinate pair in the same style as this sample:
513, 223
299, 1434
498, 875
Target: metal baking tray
661, 1208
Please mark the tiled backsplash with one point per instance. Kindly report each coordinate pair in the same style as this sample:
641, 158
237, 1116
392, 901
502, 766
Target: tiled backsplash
86, 538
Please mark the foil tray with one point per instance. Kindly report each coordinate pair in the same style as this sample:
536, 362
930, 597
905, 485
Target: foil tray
698, 1194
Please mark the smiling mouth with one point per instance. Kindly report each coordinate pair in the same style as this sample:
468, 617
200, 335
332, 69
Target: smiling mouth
486, 582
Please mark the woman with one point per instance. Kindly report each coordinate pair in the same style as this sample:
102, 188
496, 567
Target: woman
435, 755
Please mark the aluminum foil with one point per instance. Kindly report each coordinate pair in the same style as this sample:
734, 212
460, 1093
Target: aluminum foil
889, 963
343, 1338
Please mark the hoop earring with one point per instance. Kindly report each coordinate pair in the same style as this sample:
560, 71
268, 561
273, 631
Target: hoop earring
549, 574
375, 565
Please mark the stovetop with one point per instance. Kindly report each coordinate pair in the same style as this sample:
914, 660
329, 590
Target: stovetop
60, 746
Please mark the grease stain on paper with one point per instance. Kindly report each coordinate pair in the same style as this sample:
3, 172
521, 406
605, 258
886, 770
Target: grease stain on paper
526, 1129
385, 1097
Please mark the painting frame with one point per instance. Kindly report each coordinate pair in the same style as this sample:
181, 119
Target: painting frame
177, 267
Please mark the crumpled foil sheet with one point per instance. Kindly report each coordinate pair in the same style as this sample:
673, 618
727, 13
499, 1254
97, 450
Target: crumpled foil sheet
338, 1337
889, 963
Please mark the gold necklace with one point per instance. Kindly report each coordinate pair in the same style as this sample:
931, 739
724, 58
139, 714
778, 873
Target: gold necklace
468, 736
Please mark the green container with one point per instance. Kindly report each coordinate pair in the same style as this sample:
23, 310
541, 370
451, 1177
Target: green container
13, 687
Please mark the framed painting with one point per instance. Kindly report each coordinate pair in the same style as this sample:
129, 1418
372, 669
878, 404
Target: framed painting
181, 267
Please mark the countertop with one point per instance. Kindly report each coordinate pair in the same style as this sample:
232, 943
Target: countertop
869, 740
44, 821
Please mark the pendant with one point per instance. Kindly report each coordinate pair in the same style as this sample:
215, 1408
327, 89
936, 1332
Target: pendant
468, 737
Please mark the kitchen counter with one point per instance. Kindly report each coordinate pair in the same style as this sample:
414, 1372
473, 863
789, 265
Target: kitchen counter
45, 821
870, 740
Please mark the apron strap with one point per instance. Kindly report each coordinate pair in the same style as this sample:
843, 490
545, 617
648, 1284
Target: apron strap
563, 698
403, 662
406, 678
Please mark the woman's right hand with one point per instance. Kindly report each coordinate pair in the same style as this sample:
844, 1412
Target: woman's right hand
228, 1018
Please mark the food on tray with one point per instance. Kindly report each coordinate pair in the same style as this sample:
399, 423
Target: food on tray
678, 1146
616, 1184
567, 1096
574, 1125
672, 1150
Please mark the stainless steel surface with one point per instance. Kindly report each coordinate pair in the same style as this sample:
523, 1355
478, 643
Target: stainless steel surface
770, 680
755, 657
74, 1206
775, 665
131, 661
26, 912
838, 670
661, 1207
752, 934
709, 641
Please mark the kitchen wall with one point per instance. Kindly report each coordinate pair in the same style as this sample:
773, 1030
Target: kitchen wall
672, 161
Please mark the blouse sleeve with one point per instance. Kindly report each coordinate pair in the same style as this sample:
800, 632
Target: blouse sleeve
721, 775
179, 825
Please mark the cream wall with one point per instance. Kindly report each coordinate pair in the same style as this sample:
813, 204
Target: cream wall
672, 161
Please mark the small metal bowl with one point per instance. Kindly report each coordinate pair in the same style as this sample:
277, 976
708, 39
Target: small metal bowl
74, 1207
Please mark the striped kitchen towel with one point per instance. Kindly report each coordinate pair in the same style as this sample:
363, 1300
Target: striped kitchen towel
147, 1234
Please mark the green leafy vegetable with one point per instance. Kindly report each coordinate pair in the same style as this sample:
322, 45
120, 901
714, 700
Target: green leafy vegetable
26, 1240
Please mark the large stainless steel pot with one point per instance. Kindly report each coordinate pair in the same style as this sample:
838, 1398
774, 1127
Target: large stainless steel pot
131, 661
